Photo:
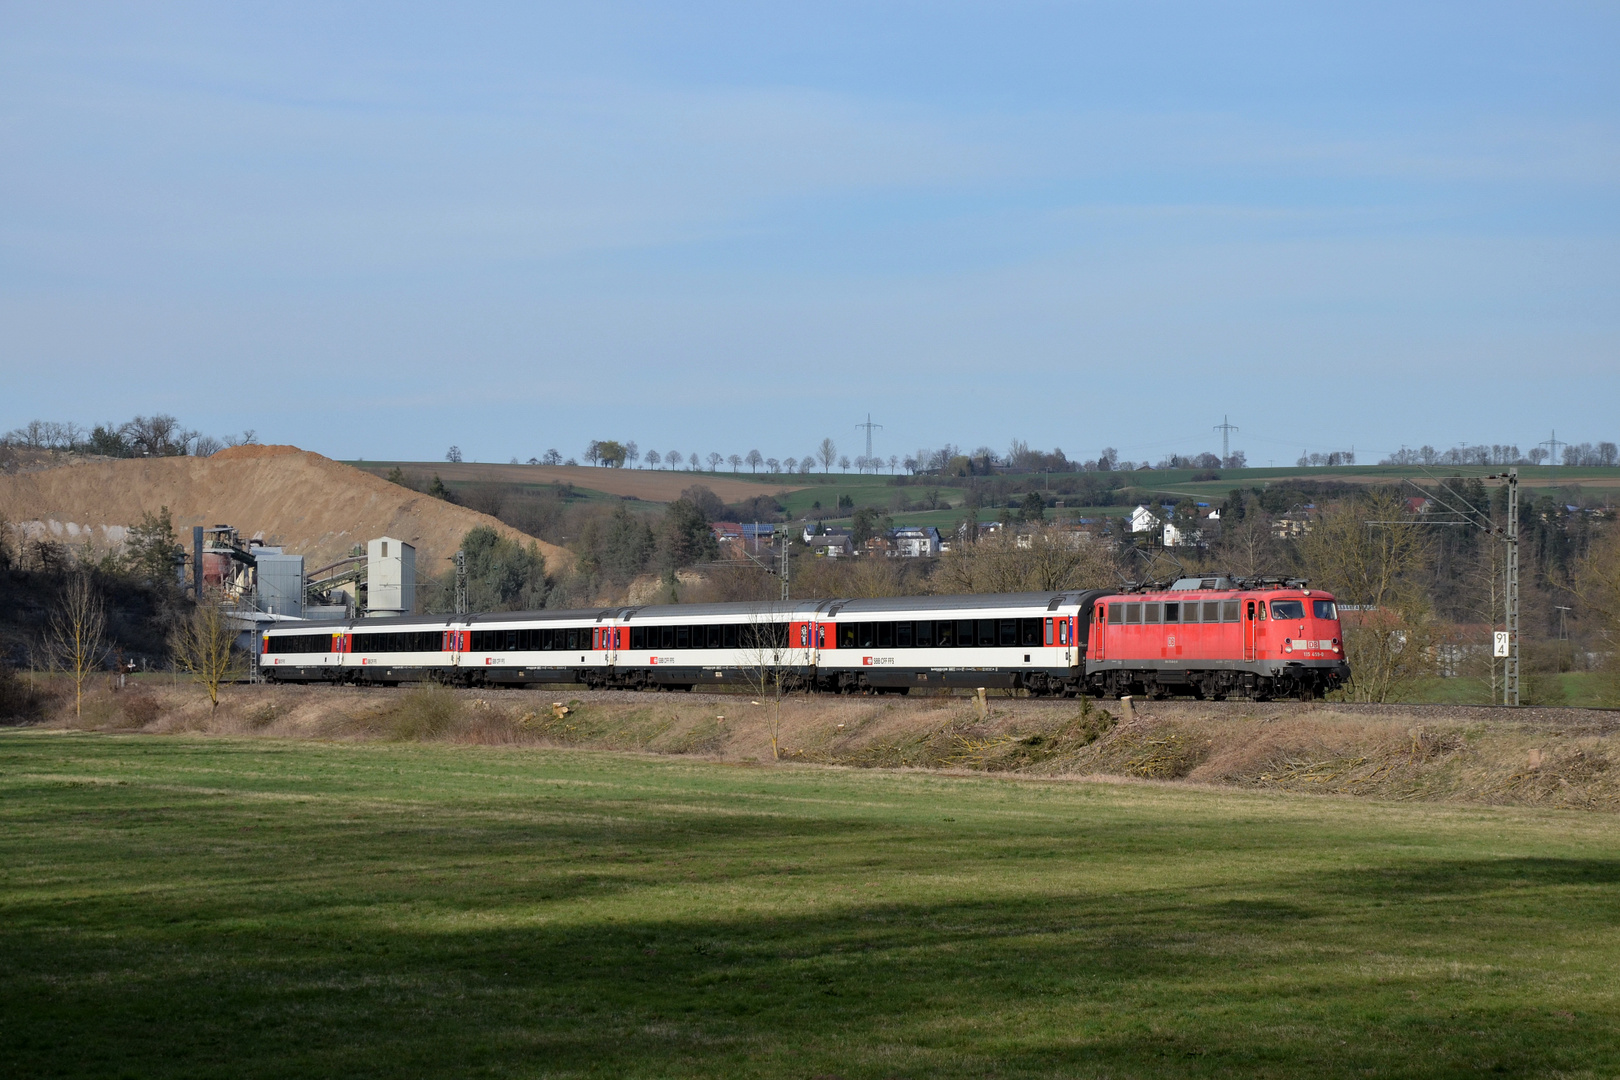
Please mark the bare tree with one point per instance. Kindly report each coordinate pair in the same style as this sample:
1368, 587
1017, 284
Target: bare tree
1597, 587
76, 636
1246, 546
453, 454
654, 459
772, 664
843, 463
714, 461
632, 453
1370, 553
755, 460
735, 461
828, 453
772, 465
1047, 559
204, 647
674, 458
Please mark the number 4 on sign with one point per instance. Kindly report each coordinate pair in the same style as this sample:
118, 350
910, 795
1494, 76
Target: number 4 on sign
1502, 643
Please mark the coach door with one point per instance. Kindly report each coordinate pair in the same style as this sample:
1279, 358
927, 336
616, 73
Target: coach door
1248, 630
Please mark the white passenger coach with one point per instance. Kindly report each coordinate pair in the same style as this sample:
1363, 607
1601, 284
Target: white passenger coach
1035, 641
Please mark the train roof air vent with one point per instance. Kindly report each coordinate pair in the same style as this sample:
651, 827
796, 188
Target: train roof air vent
1189, 583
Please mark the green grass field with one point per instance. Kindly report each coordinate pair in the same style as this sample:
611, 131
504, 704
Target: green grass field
216, 907
1579, 689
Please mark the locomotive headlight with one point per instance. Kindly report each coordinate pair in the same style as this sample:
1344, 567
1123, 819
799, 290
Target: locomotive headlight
1288, 646
1335, 644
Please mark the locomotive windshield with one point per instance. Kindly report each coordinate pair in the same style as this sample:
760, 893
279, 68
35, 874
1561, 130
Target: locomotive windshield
1325, 609
1288, 609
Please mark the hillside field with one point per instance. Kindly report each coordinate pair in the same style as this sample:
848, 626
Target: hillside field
217, 906
799, 494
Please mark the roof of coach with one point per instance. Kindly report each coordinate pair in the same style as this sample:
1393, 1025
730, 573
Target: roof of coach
1049, 601
349, 626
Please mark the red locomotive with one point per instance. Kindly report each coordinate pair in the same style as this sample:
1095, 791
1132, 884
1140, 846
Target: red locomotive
1214, 638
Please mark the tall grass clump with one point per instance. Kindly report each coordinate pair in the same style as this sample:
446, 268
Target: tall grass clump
428, 711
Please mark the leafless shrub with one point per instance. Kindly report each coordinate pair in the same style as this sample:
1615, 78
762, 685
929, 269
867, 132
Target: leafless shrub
140, 709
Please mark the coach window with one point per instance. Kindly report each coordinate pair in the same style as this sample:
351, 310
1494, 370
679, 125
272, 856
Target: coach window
1231, 611
1150, 613
729, 637
1172, 613
683, 637
925, 635
967, 633
1031, 630
846, 635
987, 632
638, 637
714, 636
885, 635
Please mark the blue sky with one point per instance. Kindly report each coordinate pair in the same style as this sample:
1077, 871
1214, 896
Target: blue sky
376, 230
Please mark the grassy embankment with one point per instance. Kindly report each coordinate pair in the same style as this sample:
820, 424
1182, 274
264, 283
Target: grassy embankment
249, 908
1565, 758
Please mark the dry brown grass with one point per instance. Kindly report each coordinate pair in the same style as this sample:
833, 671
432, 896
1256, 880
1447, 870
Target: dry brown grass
1391, 755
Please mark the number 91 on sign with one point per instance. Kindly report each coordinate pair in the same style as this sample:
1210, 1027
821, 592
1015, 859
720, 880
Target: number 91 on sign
1502, 648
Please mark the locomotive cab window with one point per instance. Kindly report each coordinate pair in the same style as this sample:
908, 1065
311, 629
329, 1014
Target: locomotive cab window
1324, 609
1287, 609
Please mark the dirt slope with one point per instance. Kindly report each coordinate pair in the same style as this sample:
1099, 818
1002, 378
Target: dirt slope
312, 505
653, 485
